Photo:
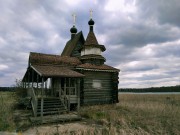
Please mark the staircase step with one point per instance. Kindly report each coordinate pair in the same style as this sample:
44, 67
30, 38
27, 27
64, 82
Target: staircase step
54, 106
50, 102
56, 100
51, 106
51, 112
45, 104
49, 99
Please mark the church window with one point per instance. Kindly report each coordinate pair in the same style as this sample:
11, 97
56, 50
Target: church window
97, 84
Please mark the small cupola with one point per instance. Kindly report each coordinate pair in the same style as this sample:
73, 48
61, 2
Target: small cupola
91, 52
73, 30
91, 23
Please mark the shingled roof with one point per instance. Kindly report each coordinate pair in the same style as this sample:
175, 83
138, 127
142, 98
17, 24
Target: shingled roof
91, 39
55, 71
48, 59
92, 56
104, 67
71, 44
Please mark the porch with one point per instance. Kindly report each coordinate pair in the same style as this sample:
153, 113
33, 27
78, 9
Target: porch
53, 93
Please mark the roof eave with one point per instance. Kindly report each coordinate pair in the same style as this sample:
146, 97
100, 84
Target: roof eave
101, 70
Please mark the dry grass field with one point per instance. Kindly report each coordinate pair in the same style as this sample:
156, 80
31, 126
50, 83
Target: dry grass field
134, 114
7, 102
139, 114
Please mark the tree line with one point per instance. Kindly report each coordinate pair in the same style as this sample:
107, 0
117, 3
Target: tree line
7, 89
152, 89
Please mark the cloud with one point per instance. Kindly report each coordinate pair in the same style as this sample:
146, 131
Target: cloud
141, 37
2, 67
165, 12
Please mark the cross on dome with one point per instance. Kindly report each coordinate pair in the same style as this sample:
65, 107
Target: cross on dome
74, 19
91, 11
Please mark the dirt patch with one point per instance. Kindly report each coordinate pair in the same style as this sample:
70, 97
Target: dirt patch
66, 128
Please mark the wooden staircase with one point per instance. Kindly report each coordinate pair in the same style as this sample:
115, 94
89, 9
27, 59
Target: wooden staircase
51, 106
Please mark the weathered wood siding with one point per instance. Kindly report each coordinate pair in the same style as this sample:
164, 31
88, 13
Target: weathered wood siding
76, 52
97, 88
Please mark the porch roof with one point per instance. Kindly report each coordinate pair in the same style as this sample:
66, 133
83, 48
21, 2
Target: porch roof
55, 71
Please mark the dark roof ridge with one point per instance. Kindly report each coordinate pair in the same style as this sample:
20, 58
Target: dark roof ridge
70, 45
44, 54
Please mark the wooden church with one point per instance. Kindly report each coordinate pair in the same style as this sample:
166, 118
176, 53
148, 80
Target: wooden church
77, 77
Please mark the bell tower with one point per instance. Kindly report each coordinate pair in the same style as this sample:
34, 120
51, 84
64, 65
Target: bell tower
92, 50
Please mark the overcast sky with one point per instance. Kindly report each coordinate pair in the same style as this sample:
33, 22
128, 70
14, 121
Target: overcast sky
142, 37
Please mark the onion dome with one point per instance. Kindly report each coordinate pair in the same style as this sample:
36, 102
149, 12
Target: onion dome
73, 29
91, 22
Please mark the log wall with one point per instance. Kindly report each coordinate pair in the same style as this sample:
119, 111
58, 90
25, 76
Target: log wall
98, 88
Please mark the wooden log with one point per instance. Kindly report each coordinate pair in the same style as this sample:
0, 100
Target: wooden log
78, 94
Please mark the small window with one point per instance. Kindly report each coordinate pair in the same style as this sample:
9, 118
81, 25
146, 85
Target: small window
97, 84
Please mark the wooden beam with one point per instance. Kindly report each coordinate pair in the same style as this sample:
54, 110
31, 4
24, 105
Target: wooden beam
52, 87
45, 90
46, 84
60, 88
42, 87
69, 95
42, 103
64, 86
32, 78
37, 80
78, 94
28, 77
25, 82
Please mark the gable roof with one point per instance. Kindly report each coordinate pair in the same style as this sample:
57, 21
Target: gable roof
48, 59
71, 44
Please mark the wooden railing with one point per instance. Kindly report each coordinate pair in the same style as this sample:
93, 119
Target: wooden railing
65, 99
34, 102
45, 92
